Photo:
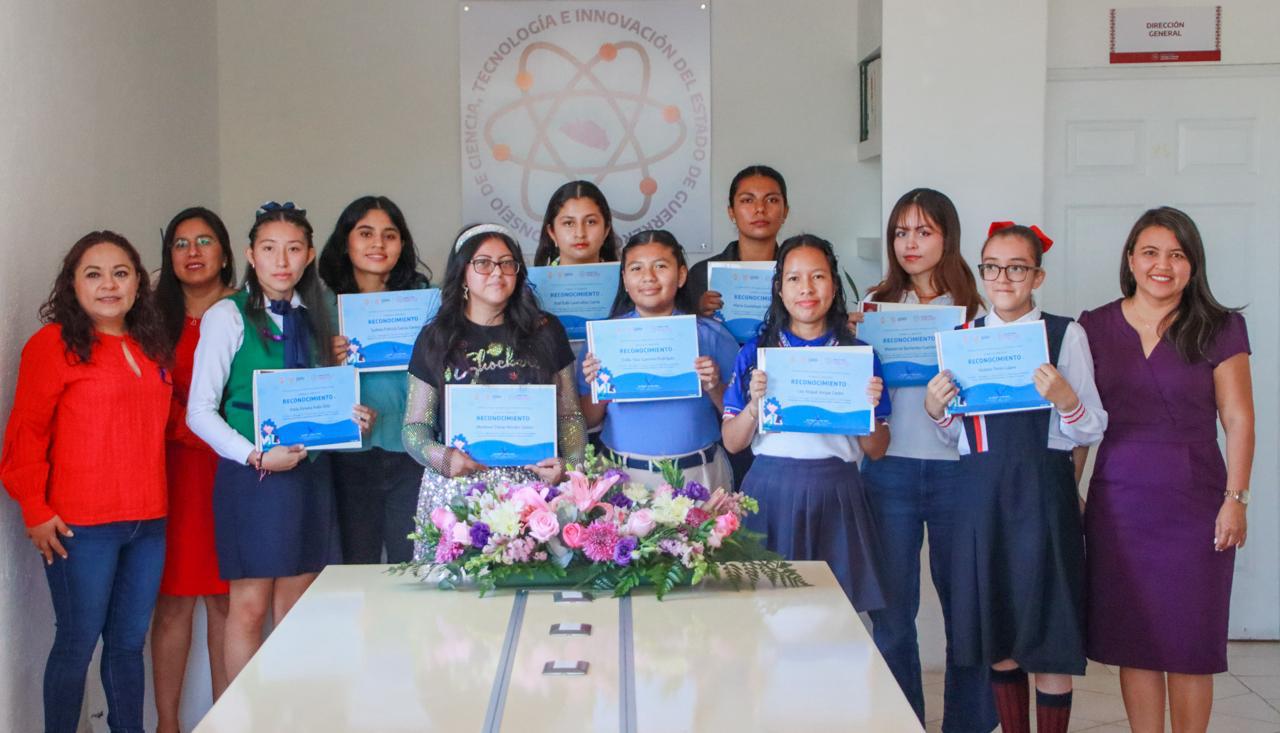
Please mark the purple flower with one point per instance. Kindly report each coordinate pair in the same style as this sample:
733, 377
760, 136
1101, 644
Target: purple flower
599, 540
622, 475
479, 535
478, 487
622, 551
552, 492
695, 491
621, 501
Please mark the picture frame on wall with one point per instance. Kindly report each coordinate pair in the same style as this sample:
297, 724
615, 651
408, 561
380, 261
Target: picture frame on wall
869, 103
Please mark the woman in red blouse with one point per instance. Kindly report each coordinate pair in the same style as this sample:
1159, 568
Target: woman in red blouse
84, 458
196, 271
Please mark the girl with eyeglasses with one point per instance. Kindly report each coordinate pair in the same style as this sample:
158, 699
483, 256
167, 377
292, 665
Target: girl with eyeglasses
273, 510
371, 250
1017, 565
652, 280
196, 271
918, 483
489, 331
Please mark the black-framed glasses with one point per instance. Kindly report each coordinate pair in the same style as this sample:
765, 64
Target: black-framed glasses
484, 266
1015, 273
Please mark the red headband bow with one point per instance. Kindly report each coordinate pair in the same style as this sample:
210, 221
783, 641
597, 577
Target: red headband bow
997, 226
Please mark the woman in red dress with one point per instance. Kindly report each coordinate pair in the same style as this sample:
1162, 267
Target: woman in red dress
197, 272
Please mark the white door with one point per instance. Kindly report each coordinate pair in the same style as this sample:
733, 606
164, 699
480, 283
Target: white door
1206, 140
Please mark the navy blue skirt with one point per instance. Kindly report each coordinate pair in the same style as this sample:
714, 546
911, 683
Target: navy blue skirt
816, 509
281, 526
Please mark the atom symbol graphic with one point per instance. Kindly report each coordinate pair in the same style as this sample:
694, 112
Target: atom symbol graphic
624, 156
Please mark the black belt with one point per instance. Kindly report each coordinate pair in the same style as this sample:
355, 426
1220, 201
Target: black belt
692, 460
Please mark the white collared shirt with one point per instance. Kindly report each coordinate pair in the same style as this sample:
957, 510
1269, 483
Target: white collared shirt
221, 334
1083, 426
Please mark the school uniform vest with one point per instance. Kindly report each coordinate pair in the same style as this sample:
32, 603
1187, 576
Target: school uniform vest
255, 352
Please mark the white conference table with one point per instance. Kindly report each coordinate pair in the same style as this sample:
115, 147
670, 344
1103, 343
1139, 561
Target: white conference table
367, 651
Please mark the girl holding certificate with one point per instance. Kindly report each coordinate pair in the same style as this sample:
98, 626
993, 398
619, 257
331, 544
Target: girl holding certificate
1171, 362
812, 503
686, 431
371, 250
489, 331
273, 510
577, 228
1017, 566
919, 482
84, 458
196, 270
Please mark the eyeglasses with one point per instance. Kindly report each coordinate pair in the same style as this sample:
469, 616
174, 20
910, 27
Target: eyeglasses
484, 266
1015, 273
202, 242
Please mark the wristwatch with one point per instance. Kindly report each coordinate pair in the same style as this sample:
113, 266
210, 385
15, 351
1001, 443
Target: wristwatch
1240, 496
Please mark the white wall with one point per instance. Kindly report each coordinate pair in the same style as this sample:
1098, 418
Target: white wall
1078, 30
363, 97
109, 121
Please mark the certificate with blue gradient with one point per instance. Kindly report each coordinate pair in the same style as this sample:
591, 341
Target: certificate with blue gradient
308, 407
994, 367
501, 425
645, 358
903, 337
747, 289
817, 389
381, 327
576, 293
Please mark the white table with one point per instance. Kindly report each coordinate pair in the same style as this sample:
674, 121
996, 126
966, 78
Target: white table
367, 651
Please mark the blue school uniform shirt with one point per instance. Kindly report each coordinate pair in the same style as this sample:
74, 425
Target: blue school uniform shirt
796, 445
668, 427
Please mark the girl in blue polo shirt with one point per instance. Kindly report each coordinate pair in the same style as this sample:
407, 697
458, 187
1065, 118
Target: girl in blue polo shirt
812, 502
684, 430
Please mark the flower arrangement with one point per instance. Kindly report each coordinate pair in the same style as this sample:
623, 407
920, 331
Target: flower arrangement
597, 529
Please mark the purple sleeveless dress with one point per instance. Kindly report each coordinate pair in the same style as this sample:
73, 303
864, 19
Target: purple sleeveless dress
1158, 594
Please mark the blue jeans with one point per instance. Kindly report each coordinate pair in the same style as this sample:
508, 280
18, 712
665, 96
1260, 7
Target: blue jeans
106, 587
907, 494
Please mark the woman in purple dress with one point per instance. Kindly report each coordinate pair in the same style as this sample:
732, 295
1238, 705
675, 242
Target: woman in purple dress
1170, 361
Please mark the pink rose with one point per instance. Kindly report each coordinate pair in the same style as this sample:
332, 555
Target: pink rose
443, 518
640, 523
727, 524
572, 534
461, 534
543, 525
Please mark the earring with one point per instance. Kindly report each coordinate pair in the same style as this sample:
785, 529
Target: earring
466, 293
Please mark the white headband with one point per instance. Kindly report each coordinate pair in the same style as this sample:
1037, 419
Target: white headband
482, 229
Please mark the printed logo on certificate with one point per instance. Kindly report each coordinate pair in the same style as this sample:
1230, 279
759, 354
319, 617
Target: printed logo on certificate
994, 367
817, 389
903, 339
645, 358
501, 424
308, 407
746, 289
576, 294
381, 328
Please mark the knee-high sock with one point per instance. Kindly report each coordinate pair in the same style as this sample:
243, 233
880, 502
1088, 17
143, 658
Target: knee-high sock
1053, 712
1013, 703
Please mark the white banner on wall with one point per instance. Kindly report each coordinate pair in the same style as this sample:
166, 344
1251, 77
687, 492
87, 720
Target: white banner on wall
616, 93
1166, 35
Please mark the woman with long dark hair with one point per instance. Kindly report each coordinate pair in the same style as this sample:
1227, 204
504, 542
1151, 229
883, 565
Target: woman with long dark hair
196, 270
919, 481
371, 250
1171, 362
812, 502
489, 331
84, 458
577, 228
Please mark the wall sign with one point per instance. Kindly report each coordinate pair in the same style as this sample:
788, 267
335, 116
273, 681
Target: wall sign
1166, 35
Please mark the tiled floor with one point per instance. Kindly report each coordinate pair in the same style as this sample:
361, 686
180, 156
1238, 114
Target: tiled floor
1246, 699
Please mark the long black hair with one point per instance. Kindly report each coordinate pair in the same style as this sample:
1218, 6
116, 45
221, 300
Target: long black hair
758, 170
547, 250
778, 319
335, 265
63, 307
309, 289
1195, 323
169, 297
522, 318
622, 302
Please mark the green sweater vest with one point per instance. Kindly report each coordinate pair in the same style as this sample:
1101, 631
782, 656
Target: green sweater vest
255, 352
